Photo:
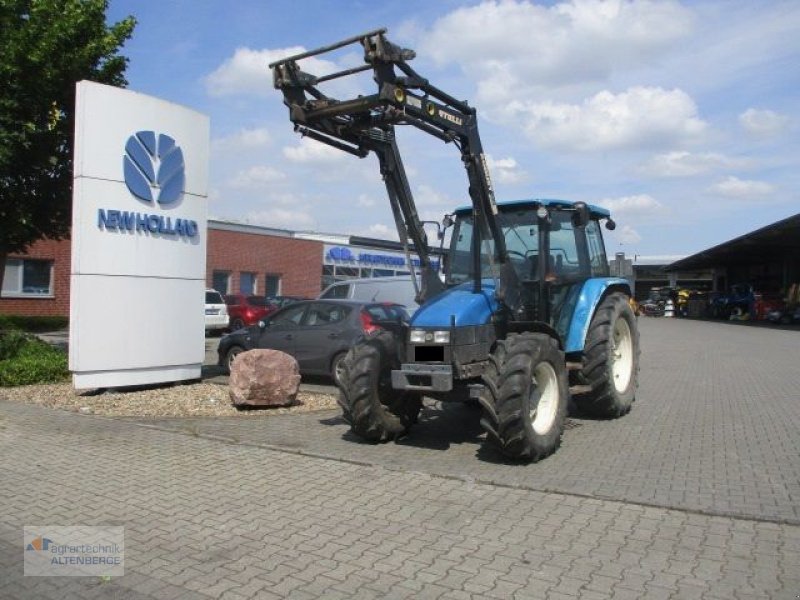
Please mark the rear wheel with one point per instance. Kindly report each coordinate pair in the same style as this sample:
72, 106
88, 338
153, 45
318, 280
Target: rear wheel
525, 402
237, 324
611, 360
376, 412
337, 369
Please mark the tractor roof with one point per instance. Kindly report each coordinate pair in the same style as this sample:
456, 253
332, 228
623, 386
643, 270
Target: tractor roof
596, 211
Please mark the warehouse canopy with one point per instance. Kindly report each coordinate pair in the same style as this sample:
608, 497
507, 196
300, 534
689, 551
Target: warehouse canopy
763, 245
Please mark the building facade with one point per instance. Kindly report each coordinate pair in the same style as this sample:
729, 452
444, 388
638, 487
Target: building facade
241, 258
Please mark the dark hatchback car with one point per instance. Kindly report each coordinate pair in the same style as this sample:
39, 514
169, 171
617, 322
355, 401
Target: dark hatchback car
317, 333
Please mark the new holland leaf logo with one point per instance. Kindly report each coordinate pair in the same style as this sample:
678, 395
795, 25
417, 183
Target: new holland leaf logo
153, 168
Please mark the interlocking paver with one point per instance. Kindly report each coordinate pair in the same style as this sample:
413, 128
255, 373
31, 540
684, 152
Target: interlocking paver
714, 429
209, 519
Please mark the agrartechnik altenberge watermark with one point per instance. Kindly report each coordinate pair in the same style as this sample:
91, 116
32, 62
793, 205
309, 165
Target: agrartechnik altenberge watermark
73, 551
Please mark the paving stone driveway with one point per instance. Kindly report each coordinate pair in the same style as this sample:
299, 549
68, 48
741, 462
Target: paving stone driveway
716, 429
207, 518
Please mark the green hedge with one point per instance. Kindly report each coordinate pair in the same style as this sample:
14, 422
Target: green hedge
26, 360
32, 324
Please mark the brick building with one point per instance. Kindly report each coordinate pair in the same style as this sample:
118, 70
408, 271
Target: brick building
262, 261
37, 283
240, 258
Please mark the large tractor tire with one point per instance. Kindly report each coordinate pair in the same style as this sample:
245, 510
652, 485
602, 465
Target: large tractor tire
525, 398
376, 412
610, 360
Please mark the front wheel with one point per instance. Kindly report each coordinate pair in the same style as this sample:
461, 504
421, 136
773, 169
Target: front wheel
525, 398
610, 360
231, 355
376, 412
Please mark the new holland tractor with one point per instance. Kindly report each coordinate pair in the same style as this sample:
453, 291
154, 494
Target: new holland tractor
525, 318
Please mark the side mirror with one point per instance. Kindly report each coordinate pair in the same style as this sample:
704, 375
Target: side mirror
447, 221
610, 224
263, 324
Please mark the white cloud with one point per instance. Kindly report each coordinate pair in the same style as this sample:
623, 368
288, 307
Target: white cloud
426, 197
381, 232
247, 71
256, 177
505, 170
242, 140
763, 123
642, 204
365, 201
568, 42
309, 151
687, 164
733, 187
280, 218
640, 116
628, 235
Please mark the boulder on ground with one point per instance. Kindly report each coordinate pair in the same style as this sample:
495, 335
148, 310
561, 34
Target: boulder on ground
264, 378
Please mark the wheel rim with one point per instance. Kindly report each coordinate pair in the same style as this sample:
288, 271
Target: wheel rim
543, 415
337, 370
232, 357
622, 355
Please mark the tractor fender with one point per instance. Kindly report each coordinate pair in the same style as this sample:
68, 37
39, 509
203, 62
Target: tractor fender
592, 293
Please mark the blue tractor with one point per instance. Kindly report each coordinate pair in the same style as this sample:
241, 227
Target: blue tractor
524, 320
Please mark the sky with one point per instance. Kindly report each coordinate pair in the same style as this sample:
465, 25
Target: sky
682, 118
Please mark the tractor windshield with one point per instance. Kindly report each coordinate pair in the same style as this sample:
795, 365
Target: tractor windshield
521, 234
573, 255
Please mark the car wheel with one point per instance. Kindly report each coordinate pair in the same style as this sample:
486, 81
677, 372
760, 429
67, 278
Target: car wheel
237, 324
336, 369
231, 355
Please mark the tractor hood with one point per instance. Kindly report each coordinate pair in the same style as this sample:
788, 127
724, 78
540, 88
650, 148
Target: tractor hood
468, 307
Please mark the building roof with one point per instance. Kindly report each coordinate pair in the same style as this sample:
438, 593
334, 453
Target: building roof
762, 245
247, 228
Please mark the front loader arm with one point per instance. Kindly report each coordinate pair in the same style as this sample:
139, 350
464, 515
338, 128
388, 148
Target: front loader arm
366, 124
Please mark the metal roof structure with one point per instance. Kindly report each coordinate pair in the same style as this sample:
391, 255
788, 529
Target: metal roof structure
770, 243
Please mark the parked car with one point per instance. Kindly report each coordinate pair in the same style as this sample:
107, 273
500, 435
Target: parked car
317, 333
248, 310
281, 301
216, 311
737, 302
399, 289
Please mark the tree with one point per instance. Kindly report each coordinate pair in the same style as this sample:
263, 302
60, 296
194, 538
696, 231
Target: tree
46, 46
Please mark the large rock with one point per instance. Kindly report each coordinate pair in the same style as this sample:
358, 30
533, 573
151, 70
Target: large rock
264, 378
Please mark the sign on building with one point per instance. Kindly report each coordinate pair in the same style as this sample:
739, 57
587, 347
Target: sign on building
138, 239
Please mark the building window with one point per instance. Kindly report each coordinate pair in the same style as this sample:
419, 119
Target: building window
272, 285
28, 277
247, 284
221, 281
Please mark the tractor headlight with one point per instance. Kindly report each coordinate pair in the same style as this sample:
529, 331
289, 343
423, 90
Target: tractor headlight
420, 336
441, 337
